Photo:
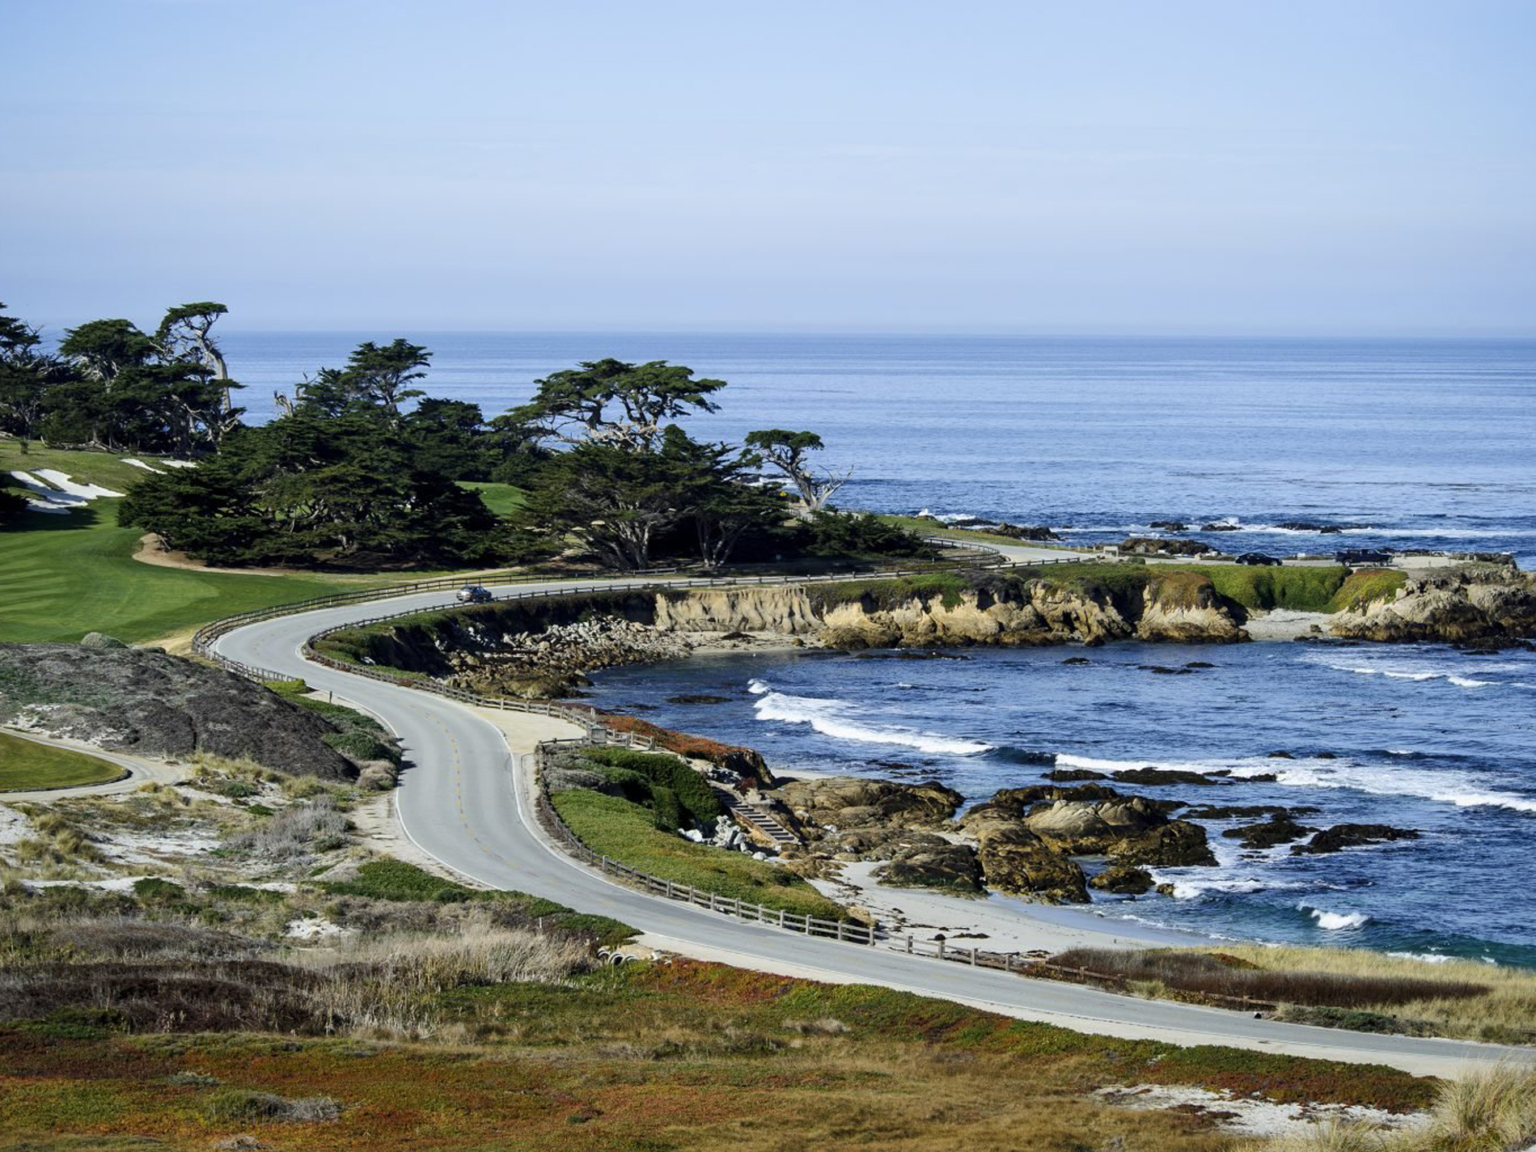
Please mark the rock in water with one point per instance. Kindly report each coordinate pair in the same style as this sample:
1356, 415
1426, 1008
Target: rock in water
1342, 836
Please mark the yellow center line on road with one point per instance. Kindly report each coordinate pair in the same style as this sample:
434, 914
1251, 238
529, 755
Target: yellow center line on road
458, 788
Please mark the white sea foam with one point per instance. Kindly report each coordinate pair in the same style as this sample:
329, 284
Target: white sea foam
830, 718
757, 687
1334, 921
1442, 786
1423, 957
1187, 889
1399, 668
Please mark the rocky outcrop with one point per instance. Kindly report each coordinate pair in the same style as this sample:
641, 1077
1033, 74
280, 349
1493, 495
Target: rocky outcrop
936, 863
1277, 830
1184, 607
1176, 844
1155, 545
138, 700
1015, 860
1123, 880
1475, 602
848, 802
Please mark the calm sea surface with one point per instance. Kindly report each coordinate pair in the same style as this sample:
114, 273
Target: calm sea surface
1425, 444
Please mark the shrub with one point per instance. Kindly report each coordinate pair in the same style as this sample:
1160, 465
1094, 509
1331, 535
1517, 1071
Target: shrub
691, 792
153, 890
390, 879
669, 814
295, 832
234, 1104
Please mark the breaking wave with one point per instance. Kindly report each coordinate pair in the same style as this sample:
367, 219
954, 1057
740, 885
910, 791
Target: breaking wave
1334, 921
831, 718
1444, 787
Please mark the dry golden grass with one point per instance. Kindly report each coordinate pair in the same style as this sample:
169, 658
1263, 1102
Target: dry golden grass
1506, 1014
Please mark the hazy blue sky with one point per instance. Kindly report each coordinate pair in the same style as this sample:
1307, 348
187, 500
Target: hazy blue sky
1222, 167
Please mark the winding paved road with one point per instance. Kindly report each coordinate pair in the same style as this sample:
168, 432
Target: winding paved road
465, 800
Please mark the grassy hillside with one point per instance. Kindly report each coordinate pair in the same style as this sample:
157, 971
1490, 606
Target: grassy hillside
628, 833
502, 499
26, 764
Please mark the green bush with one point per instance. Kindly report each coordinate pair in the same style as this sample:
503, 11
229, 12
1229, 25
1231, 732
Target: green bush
396, 880
669, 814
694, 796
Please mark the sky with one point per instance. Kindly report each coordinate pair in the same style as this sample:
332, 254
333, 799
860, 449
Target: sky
1347, 168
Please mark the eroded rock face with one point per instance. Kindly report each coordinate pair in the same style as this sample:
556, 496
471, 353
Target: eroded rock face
1017, 861
1185, 607
1472, 603
136, 700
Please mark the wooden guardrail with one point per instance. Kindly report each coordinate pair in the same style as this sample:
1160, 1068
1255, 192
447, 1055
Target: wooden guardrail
847, 931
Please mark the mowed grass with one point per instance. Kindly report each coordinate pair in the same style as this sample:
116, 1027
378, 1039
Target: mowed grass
627, 833
26, 764
64, 576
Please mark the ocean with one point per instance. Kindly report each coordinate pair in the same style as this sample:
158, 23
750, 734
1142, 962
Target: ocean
1411, 443
1424, 444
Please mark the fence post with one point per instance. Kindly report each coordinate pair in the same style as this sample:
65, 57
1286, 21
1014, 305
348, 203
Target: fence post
839, 930
909, 943
669, 889
941, 947
973, 957
781, 917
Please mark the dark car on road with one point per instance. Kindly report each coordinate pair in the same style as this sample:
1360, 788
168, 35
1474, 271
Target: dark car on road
1361, 557
474, 594
1256, 558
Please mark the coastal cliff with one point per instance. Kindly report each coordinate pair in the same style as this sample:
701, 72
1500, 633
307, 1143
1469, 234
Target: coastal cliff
1001, 609
1460, 604
544, 648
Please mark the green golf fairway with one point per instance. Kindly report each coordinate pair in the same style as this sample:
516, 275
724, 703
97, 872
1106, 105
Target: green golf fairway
26, 765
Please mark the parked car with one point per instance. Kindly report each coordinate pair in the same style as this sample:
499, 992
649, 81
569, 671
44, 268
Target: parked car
1257, 558
1361, 557
474, 594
